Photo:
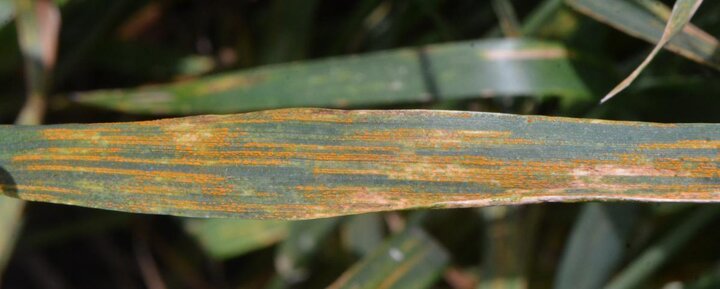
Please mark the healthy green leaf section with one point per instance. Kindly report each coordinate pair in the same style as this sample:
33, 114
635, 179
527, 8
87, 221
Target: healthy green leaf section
228, 238
440, 72
410, 260
314, 163
681, 14
639, 22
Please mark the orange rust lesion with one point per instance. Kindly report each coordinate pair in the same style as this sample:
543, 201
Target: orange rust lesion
145, 189
40, 197
299, 115
346, 171
36, 188
629, 124
683, 144
426, 134
186, 134
151, 190
92, 132
78, 150
440, 139
141, 174
319, 147
180, 160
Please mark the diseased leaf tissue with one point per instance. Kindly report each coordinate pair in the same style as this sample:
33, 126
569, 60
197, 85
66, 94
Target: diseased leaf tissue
311, 163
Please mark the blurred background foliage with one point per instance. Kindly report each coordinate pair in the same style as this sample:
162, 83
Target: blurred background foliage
124, 60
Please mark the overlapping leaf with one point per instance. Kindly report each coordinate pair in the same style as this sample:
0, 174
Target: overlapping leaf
440, 72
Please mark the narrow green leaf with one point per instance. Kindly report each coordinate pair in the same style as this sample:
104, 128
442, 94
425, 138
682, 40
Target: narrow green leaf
512, 67
658, 254
10, 223
545, 12
409, 260
363, 233
682, 12
636, 21
228, 238
296, 253
509, 23
599, 238
313, 163
509, 232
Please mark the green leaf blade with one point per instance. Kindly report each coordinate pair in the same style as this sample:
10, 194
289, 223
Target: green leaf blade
409, 260
314, 163
462, 70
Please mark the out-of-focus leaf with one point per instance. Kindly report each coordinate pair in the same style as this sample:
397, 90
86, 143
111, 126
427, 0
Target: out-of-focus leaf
708, 280
507, 17
313, 163
659, 253
228, 238
296, 253
149, 62
509, 232
289, 32
75, 229
10, 223
38, 25
38, 28
542, 14
409, 260
636, 21
7, 11
442, 72
682, 12
596, 246
363, 233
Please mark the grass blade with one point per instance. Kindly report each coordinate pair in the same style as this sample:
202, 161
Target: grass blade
409, 260
681, 14
296, 253
457, 71
509, 232
228, 238
10, 211
598, 238
509, 23
363, 233
638, 22
313, 163
657, 254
